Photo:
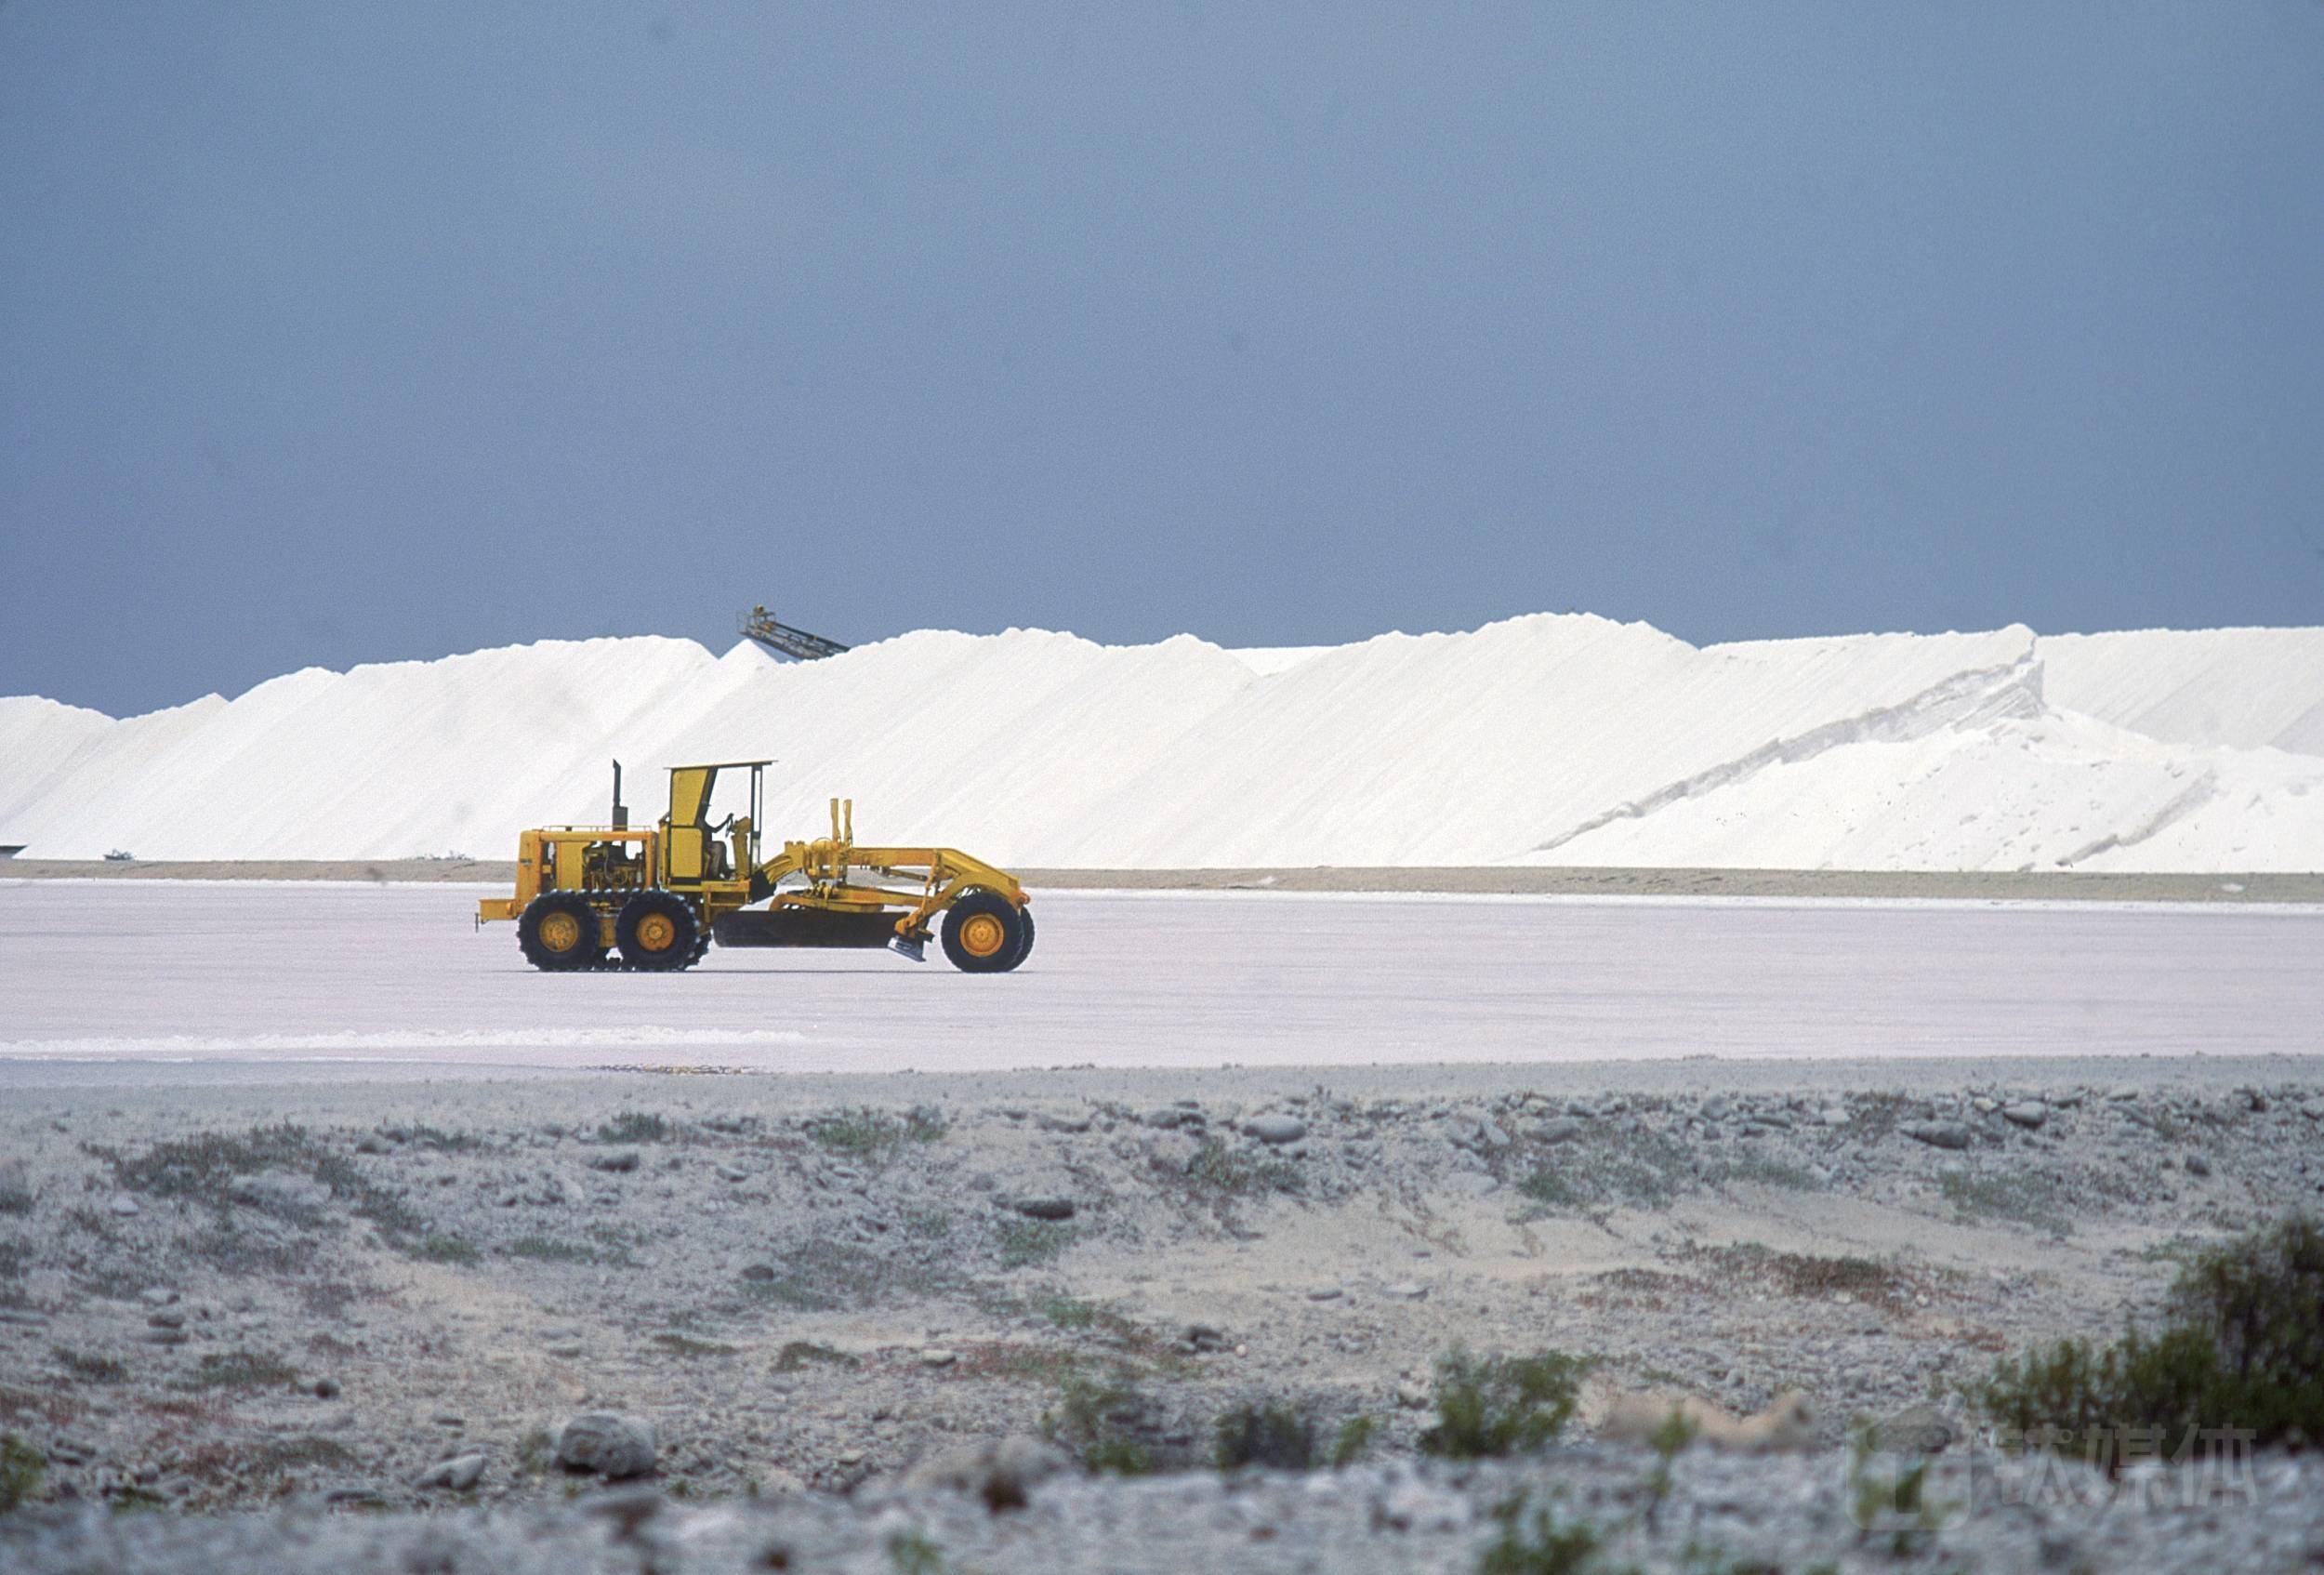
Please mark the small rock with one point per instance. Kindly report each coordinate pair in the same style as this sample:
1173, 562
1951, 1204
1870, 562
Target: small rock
372, 1142
1559, 1129
2027, 1113
732, 1173
157, 1296
759, 1272
1939, 1134
2198, 1166
1045, 1208
1325, 1293
1276, 1128
1078, 1122
459, 1474
1404, 1291
603, 1441
937, 1357
124, 1205
1202, 1337
326, 1388
620, 1159
1411, 1396
165, 1318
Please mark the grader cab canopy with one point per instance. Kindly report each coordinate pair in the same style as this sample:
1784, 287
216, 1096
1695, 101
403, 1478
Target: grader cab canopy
654, 898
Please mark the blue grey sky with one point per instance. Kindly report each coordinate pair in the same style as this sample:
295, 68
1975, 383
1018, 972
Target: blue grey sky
333, 332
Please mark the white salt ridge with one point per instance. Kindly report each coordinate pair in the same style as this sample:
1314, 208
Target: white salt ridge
1560, 739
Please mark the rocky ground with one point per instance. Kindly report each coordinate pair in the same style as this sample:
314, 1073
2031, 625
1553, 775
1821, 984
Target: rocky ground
396, 1298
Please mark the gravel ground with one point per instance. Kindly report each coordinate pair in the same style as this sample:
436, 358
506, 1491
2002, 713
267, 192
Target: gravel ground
302, 1299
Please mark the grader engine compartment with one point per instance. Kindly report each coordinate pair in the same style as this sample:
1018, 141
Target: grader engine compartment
654, 898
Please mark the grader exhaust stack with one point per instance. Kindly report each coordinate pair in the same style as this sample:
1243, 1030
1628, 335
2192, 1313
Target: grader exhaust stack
654, 898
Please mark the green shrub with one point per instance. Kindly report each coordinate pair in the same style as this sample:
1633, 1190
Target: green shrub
21, 1467
1541, 1542
2241, 1346
440, 1248
1109, 1427
634, 1126
1501, 1404
1264, 1432
1223, 1170
876, 1134
1355, 1442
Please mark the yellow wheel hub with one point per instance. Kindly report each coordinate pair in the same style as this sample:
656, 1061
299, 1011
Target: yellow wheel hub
983, 935
561, 931
656, 932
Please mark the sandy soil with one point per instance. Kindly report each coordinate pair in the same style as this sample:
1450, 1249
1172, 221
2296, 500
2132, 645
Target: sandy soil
1985, 885
220, 1297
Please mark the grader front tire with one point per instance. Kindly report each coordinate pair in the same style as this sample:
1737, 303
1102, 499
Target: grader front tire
985, 932
657, 933
558, 933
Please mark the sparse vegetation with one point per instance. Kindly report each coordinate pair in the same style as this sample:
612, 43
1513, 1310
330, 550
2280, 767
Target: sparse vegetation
822, 1276
1607, 1165
1537, 1539
1812, 1274
874, 1135
1492, 1405
436, 1248
796, 1353
21, 1468
1107, 1426
1353, 1442
1067, 1312
441, 1142
2242, 1346
89, 1369
541, 1249
1024, 1242
913, 1553
2029, 1197
204, 1168
1269, 1433
686, 1346
1223, 1169
242, 1369
1761, 1169
634, 1126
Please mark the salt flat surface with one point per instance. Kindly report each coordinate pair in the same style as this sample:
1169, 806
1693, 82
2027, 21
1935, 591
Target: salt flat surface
1566, 740
312, 978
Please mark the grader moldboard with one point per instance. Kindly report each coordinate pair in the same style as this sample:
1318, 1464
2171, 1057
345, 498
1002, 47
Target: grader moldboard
608, 896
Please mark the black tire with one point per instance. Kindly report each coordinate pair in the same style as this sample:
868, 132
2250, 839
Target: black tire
985, 932
657, 933
558, 933
1024, 950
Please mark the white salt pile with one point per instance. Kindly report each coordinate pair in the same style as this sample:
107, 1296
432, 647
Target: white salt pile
1548, 739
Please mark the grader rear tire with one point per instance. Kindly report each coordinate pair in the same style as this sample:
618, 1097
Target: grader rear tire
657, 933
558, 933
985, 932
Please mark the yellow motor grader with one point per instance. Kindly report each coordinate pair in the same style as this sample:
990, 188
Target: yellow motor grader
608, 896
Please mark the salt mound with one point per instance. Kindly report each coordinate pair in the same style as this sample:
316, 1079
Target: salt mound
1547, 740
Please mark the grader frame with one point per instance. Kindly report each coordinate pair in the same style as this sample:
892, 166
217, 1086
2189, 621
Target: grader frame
654, 898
